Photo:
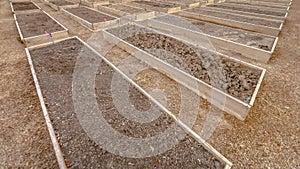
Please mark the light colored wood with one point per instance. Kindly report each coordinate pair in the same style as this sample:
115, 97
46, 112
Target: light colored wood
275, 4
166, 10
256, 7
233, 23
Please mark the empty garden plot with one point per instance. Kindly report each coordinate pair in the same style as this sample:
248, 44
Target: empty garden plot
286, 7
91, 18
248, 8
121, 10
265, 2
241, 80
59, 4
53, 68
185, 3
39, 27
260, 25
24, 7
255, 6
156, 6
249, 44
247, 13
94, 3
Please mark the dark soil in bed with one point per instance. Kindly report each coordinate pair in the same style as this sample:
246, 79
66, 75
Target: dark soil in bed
238, 80
237, 35
54, 66
256, 21
243, 9
90, 15
23, 6
157, 4
37, 23
61, 3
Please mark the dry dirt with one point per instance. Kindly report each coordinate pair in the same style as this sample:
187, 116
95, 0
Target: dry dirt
268, 138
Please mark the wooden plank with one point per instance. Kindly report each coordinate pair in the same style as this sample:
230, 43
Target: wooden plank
255, 7
159, 9
233, 23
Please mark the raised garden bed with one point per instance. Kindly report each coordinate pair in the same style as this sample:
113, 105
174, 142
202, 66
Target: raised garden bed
24, 7
241, 80
91, 18
121, 10
286, 7
265, 2
249, 9
59, 4
53, 69
252, 45
94, 3
39, 27
269, 27
256, 6
245, 12
156, 6
184, 3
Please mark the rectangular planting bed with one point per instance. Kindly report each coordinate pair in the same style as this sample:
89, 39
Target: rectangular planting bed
265, 2
281, 13
184, 3
279, 6
39, 27
260, 25
58, 71
23, 7
59, 4
257, 15
156, 6
91, 18
252, 45
256, 6
241, 80
94, 3
122, 10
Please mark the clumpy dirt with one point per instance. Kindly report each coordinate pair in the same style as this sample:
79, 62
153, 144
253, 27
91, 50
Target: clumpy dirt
256, 21
237, 80
157, 4
243, 9
258, 5
237, 35
54, 66
128, 9
37, 23
24, 6
61, 2
90, 15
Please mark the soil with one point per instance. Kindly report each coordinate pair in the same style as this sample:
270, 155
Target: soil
257, 5
127, 9
18, 6
37, 23
238, 81
61, 3
243, 9
203, 11
90, 15
54, 67
237, 35
157, 4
